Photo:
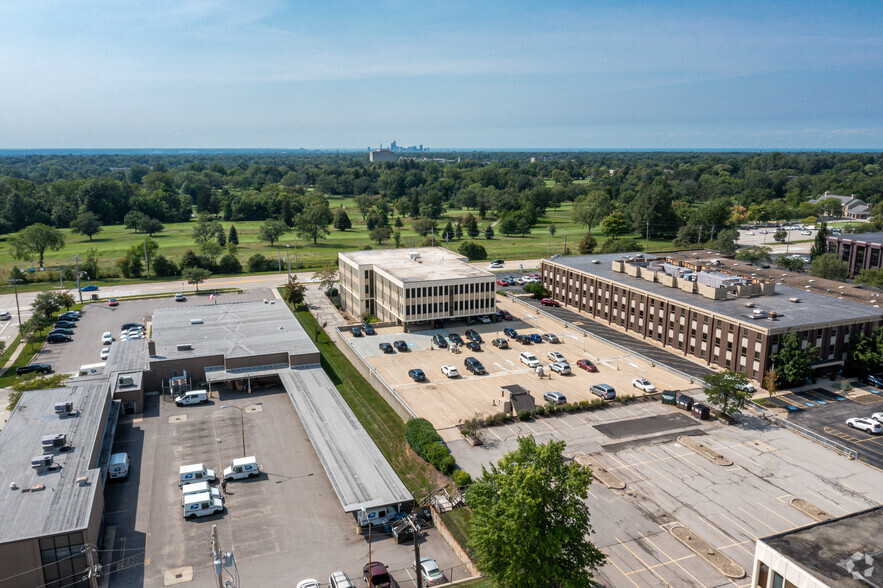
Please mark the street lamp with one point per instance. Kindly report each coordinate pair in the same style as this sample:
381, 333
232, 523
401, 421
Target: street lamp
15, 282
288, 258
81, 275
241, 422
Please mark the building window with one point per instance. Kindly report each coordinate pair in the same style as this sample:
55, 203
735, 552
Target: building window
875, 258
62, 558
859, 257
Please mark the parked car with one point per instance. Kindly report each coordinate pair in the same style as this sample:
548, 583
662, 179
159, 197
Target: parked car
369, 330
105, 353
450, 371
502, 282
376, 574
62, 331
550, 338
523, 339
496, 266
556, 356
605, 391
400, 345
485, 319
878, 416
500, 343
127, 326
428, 569
549, 302
474, 366
58, 338
535, 338
112, 302
356, 331
866, 425
560, 367
308, 583
472, 335
586, 365
386, 348
875, 380
340, 580
179, 297
500, 261
555, 397
43, 368
455, 338
89, 288
473, 346
71, 315
644, 385
107, 338
439, 341
529, 359
65, 325
511, 333
417, 375
506, 316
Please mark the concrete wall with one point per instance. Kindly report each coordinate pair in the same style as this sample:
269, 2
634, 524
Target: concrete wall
21, 557
452, 543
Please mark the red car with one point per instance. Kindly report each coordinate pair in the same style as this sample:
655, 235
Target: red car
502, 282
586, 365
113, 302
549, 302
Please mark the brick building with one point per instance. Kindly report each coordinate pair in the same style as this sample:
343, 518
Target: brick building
859, 251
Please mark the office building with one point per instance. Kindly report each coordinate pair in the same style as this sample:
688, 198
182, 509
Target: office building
414, 287
698, 310
859, 251
851, 207
381, 155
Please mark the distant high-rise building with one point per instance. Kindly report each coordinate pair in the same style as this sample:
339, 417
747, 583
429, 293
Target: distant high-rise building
421, 146
392, 146
379, 155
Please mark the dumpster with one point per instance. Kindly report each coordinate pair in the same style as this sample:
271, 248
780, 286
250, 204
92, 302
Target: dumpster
668, 397
685, 402
701, 412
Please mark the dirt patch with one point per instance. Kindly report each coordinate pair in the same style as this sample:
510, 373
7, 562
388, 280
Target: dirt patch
606, 477
810, 510
706, 452
709, 553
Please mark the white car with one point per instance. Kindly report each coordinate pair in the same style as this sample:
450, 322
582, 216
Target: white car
878, 416
556, 357
496, 266
432, 576
560, 367
107, 338
806, 232
521, 281
340, 580
485, 319
104, 353
450, 371
4, 315
644, 385
866, 425
749, 232
529, 359
308, 583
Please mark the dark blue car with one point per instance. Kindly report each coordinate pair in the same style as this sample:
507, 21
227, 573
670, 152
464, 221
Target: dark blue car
89, 288
534, 338
417, 375
511, 333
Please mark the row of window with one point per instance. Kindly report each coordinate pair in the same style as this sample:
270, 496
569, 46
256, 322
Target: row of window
442, 307
471, 288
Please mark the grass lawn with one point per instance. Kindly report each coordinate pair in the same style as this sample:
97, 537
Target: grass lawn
458, 522
114, 240
382, 423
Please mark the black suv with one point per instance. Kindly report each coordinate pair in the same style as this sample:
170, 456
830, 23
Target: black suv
400, 345
472, 335
386, 348
65, 324
439, 341
369, 330
455, 338
58, 338
875, 380
474, 366
43, 368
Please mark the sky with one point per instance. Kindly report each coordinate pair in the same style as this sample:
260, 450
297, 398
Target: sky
506, 74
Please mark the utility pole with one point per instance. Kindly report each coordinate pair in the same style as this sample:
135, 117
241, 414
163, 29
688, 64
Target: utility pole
146, 259
417, 563
80, 292
92, 567
216, 557
295, 252
549, 246
14, 283
279, 253
647, 247
288, 258
565, 242
700, 233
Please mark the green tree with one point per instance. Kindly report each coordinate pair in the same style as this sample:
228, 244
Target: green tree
196, 276
458, 231
342, 220
828, 266
530, 521
313, 222
792, 264
793, 363
614, 224
211, 250
35, 240
271, 230
830, 207
424, 226
537, 290
206, 229
726, 390
652, 211
871, 277
45, 305
229, 264
133, 219
294, 292
326, 277
780, 235
591, 207
863, 356
448, 233
470, 225
90, 263
258, 263
233, 237
489, 232
755, 254
151, 226
473, 251
725, 242
380, 234
621, 246
86, 223
509, 225
820, 245
65, 300
397, 239
587, 244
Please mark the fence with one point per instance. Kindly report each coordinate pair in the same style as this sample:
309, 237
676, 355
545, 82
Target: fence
375, 379
597, 337
785, 424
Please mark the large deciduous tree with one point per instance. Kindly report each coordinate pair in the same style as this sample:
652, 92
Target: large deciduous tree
727, 390
86, 224
271, 230
828, 266
591, 207
793, 362
35, 240
195, 276
614, 224
530, 522
313, 222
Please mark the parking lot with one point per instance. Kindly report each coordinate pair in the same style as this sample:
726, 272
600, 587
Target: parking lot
287, 524
668, 485
445, 401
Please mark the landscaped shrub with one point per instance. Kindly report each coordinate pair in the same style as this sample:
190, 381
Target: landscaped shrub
541, 410
523, 415
428, 444
462, 478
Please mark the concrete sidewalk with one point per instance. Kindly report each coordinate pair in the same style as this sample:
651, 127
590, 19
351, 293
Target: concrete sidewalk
324, 310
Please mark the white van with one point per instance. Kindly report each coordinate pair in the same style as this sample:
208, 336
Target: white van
198, 488
375, 516
192, 397
196, 472
244, 467
201, 505
529, 359
119, 466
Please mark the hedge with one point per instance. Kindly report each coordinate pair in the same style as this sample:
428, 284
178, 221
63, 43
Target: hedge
428, 444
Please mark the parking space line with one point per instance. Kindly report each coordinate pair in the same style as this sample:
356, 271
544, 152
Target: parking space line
829, 501
551, 428
491, 429
748, 533
610, 559
661, 565
778, 515
563, 420
672, 560
727, 537
858, 492
773, 529
641, 561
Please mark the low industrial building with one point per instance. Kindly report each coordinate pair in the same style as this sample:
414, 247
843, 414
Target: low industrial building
698, 310
414, 287
859, 251
844, 552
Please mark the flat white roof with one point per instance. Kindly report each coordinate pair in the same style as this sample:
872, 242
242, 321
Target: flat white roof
419, 264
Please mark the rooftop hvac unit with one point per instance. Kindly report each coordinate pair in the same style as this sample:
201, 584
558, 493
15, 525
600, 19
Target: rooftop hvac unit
64, 408
794, 300
773, 314
184, 346
54, 442
415, 256
126, 381
41, 461
749, 305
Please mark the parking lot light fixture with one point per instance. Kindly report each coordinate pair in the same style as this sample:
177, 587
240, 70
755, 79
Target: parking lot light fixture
241, 422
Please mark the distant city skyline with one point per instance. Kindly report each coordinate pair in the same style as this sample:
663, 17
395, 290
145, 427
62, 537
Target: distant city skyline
569, 75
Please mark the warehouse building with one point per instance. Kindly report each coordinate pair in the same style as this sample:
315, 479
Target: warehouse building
414, 287
845, 552
859, 251
700, 311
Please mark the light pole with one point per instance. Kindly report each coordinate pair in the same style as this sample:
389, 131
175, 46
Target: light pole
241, 422
288, 258
146, 259
80, 292
295, 252
15, 282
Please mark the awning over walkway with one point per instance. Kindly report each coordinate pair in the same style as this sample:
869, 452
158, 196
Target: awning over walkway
358, 471
219, 374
